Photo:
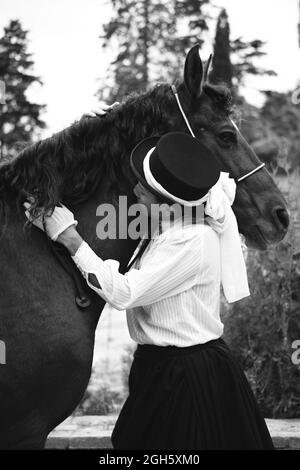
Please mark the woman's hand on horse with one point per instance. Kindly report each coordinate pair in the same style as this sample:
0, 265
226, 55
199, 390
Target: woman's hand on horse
55, 224
106, 108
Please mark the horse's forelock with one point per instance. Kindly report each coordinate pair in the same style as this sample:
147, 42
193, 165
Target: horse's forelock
220, 96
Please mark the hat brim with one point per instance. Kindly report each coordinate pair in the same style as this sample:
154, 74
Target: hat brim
137, 157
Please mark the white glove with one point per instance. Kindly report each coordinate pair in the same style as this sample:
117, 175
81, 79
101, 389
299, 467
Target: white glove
103, 110
56, 223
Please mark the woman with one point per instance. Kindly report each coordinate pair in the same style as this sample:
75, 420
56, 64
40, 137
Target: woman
186, 390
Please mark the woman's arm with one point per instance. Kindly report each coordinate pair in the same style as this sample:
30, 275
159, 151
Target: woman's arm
169, 267
70, 239
174, 264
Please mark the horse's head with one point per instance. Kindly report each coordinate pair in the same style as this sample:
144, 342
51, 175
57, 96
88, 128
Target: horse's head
259, 205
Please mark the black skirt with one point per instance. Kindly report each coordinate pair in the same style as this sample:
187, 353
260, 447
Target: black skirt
192, 398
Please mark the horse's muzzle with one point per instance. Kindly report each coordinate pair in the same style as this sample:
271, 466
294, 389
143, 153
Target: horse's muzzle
281, 218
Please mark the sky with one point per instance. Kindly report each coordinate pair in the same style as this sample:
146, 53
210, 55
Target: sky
64, 40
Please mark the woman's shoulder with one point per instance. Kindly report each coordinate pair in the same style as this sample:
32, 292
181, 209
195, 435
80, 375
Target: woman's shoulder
183, 232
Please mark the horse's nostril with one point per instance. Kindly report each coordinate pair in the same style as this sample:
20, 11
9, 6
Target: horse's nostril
282, 217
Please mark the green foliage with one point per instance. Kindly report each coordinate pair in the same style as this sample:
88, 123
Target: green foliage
19, 117
262, 328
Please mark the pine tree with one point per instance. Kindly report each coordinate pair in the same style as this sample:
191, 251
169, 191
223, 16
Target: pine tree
244, 54
19, 117
234, 60
152, 38
222, 68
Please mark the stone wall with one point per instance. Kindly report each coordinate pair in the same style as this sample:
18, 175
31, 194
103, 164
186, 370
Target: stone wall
93, 432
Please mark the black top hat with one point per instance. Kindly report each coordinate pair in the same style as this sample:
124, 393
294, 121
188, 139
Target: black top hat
180, 163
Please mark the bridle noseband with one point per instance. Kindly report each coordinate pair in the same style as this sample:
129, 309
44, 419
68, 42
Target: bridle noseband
241, 178
237, 179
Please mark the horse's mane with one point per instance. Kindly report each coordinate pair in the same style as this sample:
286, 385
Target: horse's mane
71, 164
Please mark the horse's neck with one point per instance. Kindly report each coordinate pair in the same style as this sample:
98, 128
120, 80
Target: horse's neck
119, 248
114, 246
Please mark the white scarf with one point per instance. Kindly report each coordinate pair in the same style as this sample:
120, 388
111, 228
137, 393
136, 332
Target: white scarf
233, 269
218, 207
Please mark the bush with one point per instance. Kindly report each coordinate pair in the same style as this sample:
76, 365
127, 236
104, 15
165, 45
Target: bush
262, 328
100, 401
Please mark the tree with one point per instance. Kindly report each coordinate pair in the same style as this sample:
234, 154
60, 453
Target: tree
283, 117
244, 55
235, 59
222, 69
149, 44
20, 117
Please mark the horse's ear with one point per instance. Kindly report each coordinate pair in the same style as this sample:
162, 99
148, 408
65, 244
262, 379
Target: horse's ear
193, 72
207, 69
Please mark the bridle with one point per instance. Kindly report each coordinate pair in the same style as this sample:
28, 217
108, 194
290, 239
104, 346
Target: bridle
237, 179
82, 297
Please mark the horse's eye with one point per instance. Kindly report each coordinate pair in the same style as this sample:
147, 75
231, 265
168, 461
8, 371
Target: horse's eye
227, 137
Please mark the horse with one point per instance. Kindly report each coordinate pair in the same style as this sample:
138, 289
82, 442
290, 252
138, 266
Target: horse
49, 340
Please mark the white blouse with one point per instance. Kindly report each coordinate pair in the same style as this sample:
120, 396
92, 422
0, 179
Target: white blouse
171, 295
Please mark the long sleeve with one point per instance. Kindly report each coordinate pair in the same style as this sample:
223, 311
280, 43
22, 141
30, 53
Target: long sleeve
170, 266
